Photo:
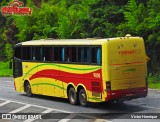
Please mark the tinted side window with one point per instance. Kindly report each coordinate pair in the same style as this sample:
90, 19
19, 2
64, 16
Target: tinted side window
87, 55
93, 56
26, 53
37, 53
70, 54
62, 54
96, 55
56, 54
17, 52
74, 54
48, 54
84, 55
80, 54
59, 54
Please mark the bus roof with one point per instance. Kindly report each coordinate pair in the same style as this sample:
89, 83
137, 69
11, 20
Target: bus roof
65, 42
88, 41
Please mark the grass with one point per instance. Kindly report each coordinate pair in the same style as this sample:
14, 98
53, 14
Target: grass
4, 69
154, 80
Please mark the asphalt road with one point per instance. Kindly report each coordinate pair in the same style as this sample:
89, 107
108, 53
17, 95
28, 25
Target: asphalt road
14, 102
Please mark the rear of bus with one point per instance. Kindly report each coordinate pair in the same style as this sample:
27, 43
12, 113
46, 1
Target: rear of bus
126, 64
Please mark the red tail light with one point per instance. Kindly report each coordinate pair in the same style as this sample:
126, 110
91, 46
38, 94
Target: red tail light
108, 86
96, 87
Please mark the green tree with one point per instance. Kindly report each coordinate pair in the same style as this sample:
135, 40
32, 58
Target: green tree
143, 19
41, 24
153, 34
134, 15
8, 51
106, 15
72, 18
7, 32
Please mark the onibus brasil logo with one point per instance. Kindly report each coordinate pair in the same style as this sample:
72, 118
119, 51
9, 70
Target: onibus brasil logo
16, 8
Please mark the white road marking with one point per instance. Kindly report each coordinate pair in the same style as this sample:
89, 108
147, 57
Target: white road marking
71, 116
48, 110
4, 103
20, 109
101, 120
34, 105
68, 118
29, 120
44, 112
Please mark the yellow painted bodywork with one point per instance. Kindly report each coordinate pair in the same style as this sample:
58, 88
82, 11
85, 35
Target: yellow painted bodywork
128, 65
123, 69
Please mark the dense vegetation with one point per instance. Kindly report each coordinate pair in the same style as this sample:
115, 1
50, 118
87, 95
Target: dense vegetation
4, 69
82, 19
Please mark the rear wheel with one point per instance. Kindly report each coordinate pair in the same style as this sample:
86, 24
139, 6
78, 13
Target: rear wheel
28, 89
72, 96
82, 97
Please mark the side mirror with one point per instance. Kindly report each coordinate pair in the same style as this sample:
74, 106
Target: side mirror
10, 65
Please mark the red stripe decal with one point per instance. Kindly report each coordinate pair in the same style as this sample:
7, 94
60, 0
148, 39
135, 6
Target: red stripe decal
76, 79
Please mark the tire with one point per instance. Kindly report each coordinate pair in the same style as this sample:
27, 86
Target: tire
28, 89
82, 97
72, 96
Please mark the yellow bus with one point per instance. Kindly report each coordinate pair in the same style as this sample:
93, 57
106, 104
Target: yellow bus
82, 70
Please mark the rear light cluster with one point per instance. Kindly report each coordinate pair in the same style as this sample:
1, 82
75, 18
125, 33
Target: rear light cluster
108, 86
96, 87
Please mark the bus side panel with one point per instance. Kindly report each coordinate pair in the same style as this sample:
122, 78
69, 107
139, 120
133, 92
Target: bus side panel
70, 74
86, 76
47, 79
93, 82
29, 68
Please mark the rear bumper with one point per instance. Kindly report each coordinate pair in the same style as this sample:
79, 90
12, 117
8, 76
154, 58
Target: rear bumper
127, 94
